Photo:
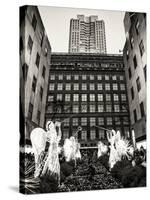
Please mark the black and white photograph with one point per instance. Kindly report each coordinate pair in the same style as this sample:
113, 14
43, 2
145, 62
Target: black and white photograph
83, 80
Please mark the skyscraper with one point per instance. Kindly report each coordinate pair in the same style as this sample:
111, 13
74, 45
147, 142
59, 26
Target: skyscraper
87, 35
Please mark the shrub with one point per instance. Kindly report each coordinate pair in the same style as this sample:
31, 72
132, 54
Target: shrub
104, 159
66, 169
48, 183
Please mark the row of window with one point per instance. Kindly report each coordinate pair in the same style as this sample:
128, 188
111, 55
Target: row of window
85, 86
141, 111
86, 108
86, 97
85, 77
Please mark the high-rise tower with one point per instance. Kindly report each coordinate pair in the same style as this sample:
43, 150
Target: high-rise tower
87, 35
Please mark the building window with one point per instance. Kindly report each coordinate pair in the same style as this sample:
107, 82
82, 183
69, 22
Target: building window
117, 121
145, 71
52, 77
84, 86
41, 93
92, 134
30, 111
25, 68
100, 121
92, 97
114, 77
109, 120
76, 86
116, 97
142, 49
75, 121
116, 108
135, 61
49, 109
37, 61
107, 86
142, 109
92, 86
67, 97
76, 77
83, 121
84, 108
99, 77
65, 134
92, 121
99, 86
68, 86
60, 77
132, 42
108, 108
108, 97
84, 77
51, 86
121, 78
129, 72
84, 97
66, 122
135, 115
92, 108
115, 86
106, 77
100, 97
101, 134
59, 97
68, 77
50, 98
122, 87
132, 93
34, 84
34, 22
91, 77
138, 84
137, 26
38, 116
123, 97
30, 44
125, 121
76, 97
75, 108
84, 135
100, 108
59, 86
43, 71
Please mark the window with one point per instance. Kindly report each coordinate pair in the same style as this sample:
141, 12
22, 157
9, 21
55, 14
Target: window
142, 109
108, 97
100, 97
92, 108
59, 97
92, 86
84, 97
51, 86
66, 122
91, 77
50, 98
59, 86
38, 116
68, 77
109, 121
99, 86
83, 121
76, 77
135, 115
116, 108
37, 61
76, 97
137, 26
122, 86
84, 135
34, 22
43, 71
67, 97
65, 134
129, 72
75, 108
25, 68
138, 84
75, 121
30, 111
121, 78
84, 86
107, 86
84, 108
34, 84
145, 71
132, 42
115, 86
100, 121
123, 97
92, 97
106, 77
92, 134
108, 108
101, 134
99, 77
100, 108
76, 86
84, 77
60, 77
92, 121
114, 77
135, 62
125, 120
41, 93
142, 49
52, 77
116, 97
117, 121
68, 86
132, 93
30, 44
49, 109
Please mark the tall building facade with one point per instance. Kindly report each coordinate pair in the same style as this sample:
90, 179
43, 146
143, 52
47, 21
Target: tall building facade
134, 55
88, 90
87, 35
35, 52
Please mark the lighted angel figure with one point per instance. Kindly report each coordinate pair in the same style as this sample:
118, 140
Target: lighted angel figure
102, 149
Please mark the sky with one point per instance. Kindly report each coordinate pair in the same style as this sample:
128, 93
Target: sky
57, 21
